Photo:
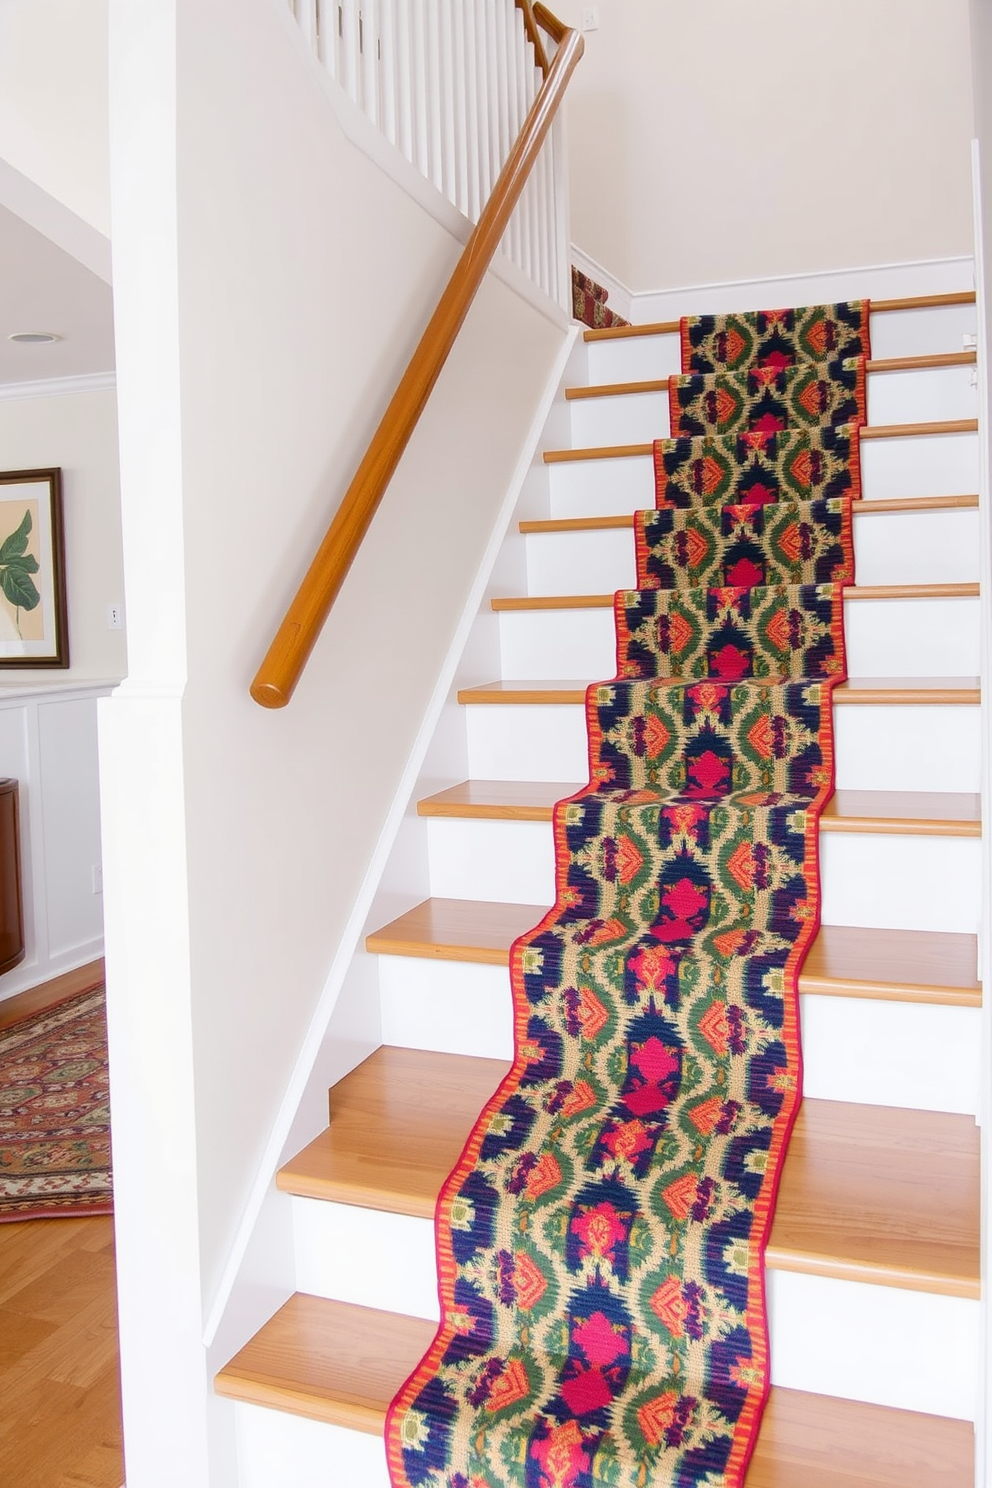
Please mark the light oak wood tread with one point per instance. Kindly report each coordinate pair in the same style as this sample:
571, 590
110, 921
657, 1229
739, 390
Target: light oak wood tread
859, 508
342, 1364
932, 362
903, 813
843, 961
526, 602
869, 431
878, 307
868, 1193
855, 692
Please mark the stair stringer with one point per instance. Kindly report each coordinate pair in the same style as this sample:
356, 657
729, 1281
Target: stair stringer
346, 1026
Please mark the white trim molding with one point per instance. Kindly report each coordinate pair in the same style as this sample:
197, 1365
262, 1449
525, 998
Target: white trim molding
59, 387
879, 281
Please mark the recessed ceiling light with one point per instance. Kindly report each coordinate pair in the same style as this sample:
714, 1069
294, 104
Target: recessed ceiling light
34, 338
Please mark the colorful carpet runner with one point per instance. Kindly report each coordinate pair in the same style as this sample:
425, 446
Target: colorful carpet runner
601, 1240
55, 1112
589, 303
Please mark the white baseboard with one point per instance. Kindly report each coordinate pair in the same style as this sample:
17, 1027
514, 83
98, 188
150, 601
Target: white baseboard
878, 281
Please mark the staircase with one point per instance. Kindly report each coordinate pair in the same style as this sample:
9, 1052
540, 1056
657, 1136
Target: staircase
873, 1265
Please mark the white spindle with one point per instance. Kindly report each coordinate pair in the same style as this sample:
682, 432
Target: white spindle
473, 104
348, 27
419, 83
306, 18
449, 83
524, 66
459, 71
388, 85
327, 23
368, 33
434, 87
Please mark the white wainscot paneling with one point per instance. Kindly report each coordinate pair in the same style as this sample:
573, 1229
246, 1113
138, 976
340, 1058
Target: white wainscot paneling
48, 743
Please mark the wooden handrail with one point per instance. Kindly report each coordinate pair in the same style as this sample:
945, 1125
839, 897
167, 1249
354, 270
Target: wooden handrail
534, 35
294, 640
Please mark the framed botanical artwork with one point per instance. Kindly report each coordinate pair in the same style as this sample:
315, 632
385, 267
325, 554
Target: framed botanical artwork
33, 623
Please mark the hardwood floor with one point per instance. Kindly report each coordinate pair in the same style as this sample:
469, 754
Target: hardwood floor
60, 1420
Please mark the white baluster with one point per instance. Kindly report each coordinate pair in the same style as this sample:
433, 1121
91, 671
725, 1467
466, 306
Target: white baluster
434, 86
473, 141
350, 72
486, 74
545, 261
389, 103
405, 129
459, 96
307, 21
563, 248
368, 32
446, 97
419, 85
524, 71
502, 104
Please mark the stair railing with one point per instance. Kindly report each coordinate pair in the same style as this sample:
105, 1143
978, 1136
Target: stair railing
286, 657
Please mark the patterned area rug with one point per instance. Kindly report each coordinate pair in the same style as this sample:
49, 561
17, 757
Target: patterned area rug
55, 1112
601, 1240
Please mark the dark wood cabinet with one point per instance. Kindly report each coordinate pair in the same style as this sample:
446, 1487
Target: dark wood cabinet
11, 903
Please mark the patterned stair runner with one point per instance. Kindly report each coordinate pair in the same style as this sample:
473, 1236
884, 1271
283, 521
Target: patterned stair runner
600, 1241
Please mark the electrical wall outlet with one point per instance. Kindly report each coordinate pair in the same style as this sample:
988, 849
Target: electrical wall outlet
96, 878
115, 617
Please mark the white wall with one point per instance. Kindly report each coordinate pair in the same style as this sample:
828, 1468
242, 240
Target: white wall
77, 431
53, 100
270, 284
721, 141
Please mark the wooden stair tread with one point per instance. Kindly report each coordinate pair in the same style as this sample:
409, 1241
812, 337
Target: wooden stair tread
332, 1361
843, 961
878, 307
868, 431
342, 1364
931, 362
868, 1193
862, 691
515, 602
926, 813
859, 508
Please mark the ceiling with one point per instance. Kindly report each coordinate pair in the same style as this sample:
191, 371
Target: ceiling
42, 288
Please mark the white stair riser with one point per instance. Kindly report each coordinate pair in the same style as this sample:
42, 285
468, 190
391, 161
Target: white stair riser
915, 465
893, 398
913, 1350
279, 1450
894, 333
939, 547
884, 638
872, 1053
878, 881
901, 882
883, 747
909, 1350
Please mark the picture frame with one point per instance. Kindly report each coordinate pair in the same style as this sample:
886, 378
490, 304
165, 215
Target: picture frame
34, 628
